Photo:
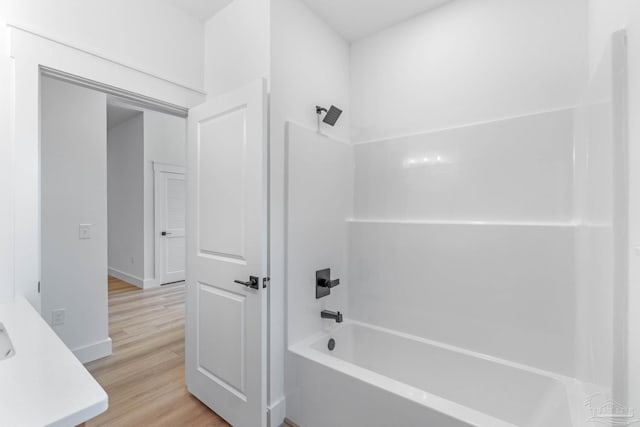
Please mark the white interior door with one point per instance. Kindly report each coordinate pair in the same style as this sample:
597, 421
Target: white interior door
226, 244
170, 204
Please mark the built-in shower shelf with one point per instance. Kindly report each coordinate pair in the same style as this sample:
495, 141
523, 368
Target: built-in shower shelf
467, 222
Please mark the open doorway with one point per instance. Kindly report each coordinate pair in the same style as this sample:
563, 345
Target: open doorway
146, 202
98, 206
125, 194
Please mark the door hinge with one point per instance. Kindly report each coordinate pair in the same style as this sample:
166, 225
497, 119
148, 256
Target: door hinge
38, 286
265, 282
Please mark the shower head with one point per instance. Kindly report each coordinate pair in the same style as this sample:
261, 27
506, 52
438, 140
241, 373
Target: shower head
331, 116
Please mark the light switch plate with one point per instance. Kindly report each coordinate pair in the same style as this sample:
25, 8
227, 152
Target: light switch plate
84, 231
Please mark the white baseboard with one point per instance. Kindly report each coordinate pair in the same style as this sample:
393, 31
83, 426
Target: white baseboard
129, 278
277, 413
93, 351
150, 283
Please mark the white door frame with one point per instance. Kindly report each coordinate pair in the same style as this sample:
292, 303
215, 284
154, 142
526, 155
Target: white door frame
31, 52
158, 169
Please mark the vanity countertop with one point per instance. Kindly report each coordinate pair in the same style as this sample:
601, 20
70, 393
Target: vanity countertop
43, 384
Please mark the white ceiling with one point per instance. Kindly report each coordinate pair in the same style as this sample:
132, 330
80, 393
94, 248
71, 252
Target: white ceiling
117, 114
199, 9
355, 19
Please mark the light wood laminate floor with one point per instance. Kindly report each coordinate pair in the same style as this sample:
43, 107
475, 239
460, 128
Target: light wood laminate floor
144, 377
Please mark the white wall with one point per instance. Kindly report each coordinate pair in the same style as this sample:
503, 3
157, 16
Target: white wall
605, 17
74, 192
164, 142
309, 66
6, 175
467, 62
126, 199
146, 34
237, 46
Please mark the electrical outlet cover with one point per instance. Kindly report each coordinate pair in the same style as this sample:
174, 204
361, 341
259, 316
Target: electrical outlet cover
84, 231
57, 317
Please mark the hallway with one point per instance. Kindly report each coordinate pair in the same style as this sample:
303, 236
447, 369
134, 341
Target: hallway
144, 377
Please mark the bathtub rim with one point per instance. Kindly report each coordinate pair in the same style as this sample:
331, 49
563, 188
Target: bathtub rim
577, 391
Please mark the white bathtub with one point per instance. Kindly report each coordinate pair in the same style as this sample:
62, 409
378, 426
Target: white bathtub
376, 377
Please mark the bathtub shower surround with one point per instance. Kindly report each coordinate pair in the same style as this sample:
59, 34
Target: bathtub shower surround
319, 201
475, 250
505, 290
512, 170
481, 263
465, 292
601, 238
